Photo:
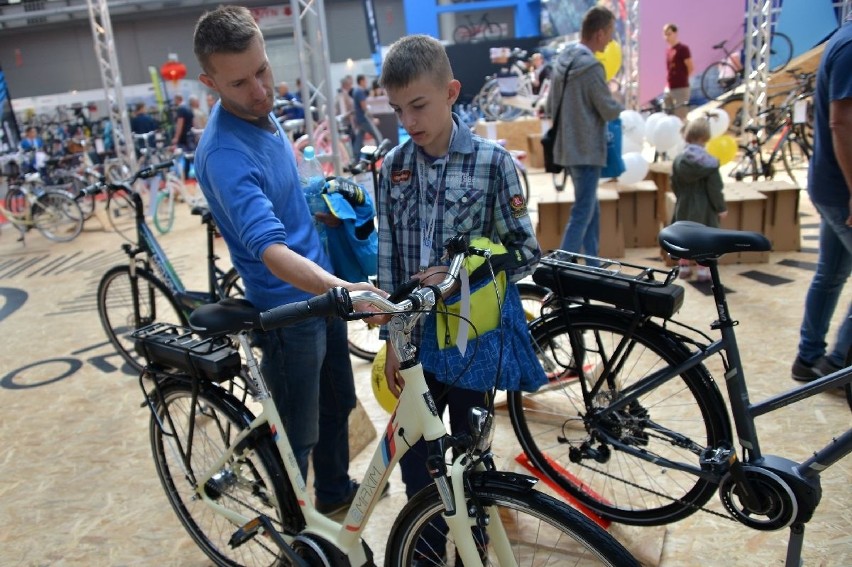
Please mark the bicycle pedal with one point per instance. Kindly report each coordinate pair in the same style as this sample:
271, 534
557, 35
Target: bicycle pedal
717, 459
249, 530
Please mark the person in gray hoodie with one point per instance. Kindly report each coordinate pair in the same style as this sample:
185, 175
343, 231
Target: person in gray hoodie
586, 107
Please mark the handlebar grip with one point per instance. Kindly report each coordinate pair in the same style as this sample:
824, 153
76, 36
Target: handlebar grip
149, 171
92, 189
383, 148
333, 303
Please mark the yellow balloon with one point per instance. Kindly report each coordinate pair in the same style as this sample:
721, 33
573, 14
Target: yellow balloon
610, 58
724, 148
380, 386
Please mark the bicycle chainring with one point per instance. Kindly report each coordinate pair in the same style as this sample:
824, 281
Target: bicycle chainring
778, 506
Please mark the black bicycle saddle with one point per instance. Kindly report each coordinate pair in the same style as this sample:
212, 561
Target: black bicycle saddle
695, 241
228, 316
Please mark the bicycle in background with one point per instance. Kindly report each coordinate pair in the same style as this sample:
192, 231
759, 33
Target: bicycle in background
231, 477
726, 74
147, 289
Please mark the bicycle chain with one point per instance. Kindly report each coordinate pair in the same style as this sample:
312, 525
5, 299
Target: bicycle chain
661, 495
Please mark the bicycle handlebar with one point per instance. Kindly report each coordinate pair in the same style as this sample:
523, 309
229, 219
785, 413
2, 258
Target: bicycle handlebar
144, 173
338, 301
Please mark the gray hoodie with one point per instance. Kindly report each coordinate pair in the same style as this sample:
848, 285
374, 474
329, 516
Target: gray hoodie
587, 106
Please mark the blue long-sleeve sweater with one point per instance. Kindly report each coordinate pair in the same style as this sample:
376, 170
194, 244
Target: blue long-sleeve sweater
249, 178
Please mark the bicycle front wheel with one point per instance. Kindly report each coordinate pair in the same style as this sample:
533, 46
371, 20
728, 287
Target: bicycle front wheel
57, 216
126, 303
122, 214
596, 459
780, 52
200, 426
541, 530
164, 211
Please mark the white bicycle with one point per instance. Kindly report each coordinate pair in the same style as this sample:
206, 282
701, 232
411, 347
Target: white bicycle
233, 481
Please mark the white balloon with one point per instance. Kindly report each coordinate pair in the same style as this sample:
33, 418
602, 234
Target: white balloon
630, 145
632, 126
677, 148
651, 124
635, 168
719, 121
667, 133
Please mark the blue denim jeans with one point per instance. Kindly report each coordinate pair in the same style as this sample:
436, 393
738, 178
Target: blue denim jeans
833, 268
309, 373
582, 233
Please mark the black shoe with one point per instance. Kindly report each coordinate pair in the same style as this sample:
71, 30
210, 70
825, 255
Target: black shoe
334, 508
804, 372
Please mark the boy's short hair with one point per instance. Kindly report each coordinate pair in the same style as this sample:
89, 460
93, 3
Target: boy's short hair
595, 19
227, 29
696, 130
412, 57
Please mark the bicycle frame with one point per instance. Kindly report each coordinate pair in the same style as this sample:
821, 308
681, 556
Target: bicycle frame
743, 411
156, 256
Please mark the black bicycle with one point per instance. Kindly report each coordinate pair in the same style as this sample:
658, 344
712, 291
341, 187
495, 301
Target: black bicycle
727, 73
147, 289
633, 425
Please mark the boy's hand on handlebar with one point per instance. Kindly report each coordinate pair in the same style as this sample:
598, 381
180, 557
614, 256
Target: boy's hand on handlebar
434, 275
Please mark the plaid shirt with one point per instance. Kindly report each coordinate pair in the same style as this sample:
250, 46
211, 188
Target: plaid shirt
480, 195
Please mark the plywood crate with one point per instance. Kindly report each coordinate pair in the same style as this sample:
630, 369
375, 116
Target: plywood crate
515, 132
637, 211
660, 172
553, 217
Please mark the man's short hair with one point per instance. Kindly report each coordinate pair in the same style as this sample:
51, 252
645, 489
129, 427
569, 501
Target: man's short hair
227, 29
670, 27
412, 57
596, 18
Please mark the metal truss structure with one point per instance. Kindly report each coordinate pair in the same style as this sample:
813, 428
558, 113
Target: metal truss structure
630, 55
759, 15
111, 78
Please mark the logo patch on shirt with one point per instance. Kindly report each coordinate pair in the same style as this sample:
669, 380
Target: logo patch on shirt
518, 206
400, 176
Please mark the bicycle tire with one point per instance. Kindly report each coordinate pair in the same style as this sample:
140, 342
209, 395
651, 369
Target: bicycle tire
364, 341
118, 315
15, 201
250, 484
712, 86
122, 214
780, 52
57, 216
564, 536
164, 211
559, 434
232, 285
533, 297
795, 156
461, 34
492, 31
746, 167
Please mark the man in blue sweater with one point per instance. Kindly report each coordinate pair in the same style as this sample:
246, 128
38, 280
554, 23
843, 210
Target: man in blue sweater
247, 171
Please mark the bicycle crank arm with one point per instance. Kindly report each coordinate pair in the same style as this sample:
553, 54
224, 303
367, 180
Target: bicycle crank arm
262, 525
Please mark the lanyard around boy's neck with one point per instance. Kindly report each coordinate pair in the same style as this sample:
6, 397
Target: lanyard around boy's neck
428, 228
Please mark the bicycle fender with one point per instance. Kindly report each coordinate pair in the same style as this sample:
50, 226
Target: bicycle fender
503, 479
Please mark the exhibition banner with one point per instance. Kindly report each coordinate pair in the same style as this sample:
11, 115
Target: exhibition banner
9, 135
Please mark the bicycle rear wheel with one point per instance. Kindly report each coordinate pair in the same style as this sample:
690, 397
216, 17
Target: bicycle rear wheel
123, 310
542, 531
720, 78
200, 426
780, 52
559, 429
57, 216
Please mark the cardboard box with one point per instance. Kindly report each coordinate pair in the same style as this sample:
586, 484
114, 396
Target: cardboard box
637, 211
781, 222
553, 217
660, 172
745, 212
515, 132
535, 154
